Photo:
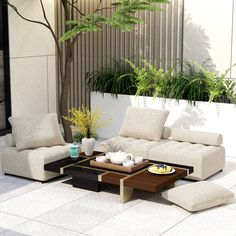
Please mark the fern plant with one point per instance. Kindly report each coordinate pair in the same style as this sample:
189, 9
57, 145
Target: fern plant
194, 83
220, 88
189, 84
115, 81
142, 80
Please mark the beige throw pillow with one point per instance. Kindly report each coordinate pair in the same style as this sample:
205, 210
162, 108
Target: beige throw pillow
198, 196
143, 123
36, 131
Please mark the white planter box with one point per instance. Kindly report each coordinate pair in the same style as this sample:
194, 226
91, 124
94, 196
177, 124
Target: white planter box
204, 116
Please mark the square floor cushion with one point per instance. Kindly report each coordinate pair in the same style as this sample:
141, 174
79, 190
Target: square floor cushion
198, 196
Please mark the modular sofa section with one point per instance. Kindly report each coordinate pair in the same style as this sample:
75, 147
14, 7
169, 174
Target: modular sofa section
30, 163
206, 160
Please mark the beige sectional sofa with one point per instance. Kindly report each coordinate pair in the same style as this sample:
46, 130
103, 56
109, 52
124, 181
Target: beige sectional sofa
202, 150
37, 141
142, 133
29, 163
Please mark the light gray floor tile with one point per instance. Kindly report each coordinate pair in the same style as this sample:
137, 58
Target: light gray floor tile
226, 179
8, 221
2, 176
6, 186
37, 228
19, 190
149, 217
42, 200
218, 222
232, 205
18, 180
87, 212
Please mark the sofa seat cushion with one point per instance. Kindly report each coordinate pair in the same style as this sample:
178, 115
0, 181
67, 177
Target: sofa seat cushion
30, 162
139, 147
198, 196
143, 123
206, 160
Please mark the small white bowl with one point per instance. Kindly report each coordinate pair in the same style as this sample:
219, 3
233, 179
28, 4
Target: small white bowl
128, 163
138, 160
102, 159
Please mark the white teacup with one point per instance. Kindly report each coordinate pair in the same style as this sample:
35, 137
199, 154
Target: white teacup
138, 160
128, 163
102, 158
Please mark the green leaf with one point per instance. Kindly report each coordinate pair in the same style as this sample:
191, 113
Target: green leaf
123, 18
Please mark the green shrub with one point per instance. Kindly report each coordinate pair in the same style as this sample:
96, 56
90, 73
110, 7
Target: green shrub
194, 83
115, 81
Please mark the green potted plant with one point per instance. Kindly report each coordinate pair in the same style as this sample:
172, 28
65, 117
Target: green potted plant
86, 123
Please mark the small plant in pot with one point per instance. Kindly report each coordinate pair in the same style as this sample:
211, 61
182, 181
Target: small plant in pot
86, 123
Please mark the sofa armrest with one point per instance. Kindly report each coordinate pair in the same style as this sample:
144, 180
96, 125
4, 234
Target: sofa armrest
200, 137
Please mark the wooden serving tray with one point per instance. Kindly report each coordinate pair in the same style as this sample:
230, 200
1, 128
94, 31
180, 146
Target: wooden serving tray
111, 166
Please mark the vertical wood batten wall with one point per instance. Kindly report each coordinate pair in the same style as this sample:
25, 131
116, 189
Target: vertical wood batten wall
159, 41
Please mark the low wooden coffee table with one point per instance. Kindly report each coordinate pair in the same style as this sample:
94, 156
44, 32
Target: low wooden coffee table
89, 177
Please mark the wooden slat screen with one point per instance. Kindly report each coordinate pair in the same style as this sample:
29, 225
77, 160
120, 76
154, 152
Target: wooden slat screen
158, 41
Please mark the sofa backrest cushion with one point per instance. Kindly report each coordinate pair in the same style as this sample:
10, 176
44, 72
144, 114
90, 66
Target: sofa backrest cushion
207, 138
166, 132
143, 123
36, 131
9, 140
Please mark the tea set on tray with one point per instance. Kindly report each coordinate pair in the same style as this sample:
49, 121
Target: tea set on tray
129, 160
120, 158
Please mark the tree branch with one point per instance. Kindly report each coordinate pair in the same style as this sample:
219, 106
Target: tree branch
98, 6
54, 36
105, 8
75, 38
49, 26
76, 8
24, 18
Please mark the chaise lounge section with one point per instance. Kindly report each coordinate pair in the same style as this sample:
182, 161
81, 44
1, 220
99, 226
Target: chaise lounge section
202, 150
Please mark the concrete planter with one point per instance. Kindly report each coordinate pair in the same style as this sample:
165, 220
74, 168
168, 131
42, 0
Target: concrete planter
204, 116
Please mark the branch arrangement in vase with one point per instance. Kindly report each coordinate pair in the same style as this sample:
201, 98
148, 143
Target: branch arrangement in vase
86, 124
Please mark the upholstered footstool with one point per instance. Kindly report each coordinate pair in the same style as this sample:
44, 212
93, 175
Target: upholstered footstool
198, 196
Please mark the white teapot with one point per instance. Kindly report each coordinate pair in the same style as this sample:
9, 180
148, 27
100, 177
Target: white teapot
119, 157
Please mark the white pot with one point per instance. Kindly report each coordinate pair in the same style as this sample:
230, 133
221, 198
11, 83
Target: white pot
88, 146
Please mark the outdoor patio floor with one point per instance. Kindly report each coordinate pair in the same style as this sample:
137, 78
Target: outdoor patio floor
32, 208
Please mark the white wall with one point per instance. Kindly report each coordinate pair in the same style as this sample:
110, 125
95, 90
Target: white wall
209, 32
32, 59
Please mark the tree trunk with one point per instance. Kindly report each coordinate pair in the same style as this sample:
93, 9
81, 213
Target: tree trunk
65, 93
64, 112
